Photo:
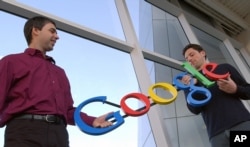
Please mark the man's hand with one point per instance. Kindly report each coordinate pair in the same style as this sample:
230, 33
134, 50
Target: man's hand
102, 122
186, 79
227, 85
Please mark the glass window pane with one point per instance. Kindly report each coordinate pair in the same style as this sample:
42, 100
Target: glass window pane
145, 132
95, 14
133, 8
145, 26
12, 37
192, 132
169, 37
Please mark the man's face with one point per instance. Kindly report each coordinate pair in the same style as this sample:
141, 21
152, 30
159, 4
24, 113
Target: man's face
195, 58
47, 37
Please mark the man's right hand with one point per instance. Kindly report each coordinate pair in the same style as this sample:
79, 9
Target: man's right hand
187, 78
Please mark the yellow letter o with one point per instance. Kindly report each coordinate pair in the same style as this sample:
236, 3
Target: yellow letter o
166, 86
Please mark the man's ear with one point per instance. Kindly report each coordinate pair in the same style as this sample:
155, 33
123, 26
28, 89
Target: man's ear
203, 53
35, 31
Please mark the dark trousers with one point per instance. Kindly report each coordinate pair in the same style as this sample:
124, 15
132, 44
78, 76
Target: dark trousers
35, 133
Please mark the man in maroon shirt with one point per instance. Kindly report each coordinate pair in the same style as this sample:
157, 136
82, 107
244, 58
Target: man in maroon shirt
35, 98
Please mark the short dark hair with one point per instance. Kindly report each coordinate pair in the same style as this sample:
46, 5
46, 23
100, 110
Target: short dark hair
35, 22
196, 47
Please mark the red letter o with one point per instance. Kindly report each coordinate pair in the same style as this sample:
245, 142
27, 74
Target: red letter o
138, 96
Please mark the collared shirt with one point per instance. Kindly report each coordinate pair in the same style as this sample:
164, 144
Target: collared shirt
32, 84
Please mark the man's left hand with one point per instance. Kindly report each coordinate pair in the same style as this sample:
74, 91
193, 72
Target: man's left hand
227, 85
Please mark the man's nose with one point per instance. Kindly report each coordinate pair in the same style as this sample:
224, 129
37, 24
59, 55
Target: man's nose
188, 59
56, 36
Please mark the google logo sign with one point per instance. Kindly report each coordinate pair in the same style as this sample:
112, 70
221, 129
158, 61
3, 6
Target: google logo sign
171, 88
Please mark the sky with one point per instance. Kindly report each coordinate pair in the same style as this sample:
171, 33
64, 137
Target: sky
93, 69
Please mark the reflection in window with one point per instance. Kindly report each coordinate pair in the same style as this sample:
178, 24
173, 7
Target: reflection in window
169, 37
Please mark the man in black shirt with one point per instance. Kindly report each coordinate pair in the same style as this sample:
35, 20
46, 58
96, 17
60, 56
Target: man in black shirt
225, 111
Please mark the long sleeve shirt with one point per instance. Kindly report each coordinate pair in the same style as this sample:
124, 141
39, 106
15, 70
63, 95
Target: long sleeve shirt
32, 84
224, 110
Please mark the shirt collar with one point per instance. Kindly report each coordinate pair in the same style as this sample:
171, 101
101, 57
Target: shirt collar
38, 53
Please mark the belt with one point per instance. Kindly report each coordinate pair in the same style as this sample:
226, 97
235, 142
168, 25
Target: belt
55, 119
